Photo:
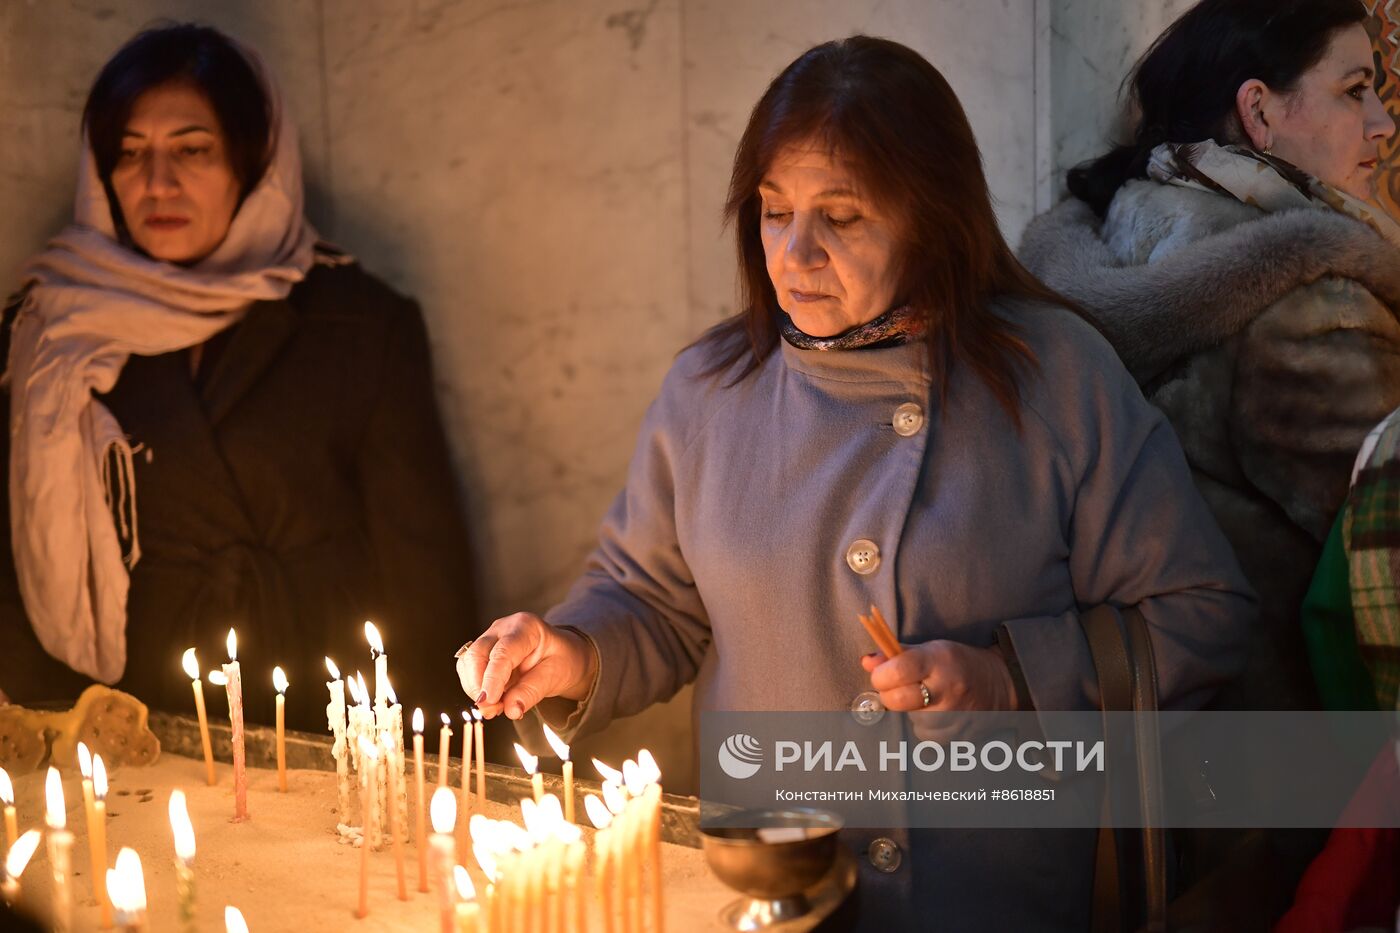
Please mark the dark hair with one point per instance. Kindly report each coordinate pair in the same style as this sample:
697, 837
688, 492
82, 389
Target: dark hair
210, 61
894, 117
1184, 86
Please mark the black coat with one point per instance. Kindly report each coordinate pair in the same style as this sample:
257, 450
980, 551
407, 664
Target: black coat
299, 485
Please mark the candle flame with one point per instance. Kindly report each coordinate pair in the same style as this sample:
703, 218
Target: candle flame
354, 691
99, 778
632, 778
613, 796
54, 813
530, 816
7, 790
279, 679
181, 826
417, 719
376, 644
561, 751
445, 721
84, 760
126, 884
476, 714
650, 770
527, 761
443, 810
335, 675
232, 643
465, 889
466, 717
190, 663
20, 853
608, 773
551, 810
233, 917
598, 812
389, 692
218, 678
363, 693
484, 858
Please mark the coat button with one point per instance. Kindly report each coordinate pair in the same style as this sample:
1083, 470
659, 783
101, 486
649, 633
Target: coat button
884, 854
908, 419
867, 709
863, 556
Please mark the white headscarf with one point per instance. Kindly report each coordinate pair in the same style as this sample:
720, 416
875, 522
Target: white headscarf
91, 303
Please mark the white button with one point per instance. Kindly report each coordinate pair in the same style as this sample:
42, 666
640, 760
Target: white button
908, 419
867, 708
863, 556
884, 854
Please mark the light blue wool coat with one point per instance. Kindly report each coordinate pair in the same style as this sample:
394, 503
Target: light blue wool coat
723, 562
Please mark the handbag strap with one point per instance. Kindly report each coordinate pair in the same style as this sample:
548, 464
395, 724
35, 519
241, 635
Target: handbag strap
1122, 654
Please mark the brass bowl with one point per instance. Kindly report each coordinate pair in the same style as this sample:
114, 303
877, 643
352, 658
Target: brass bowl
772, 857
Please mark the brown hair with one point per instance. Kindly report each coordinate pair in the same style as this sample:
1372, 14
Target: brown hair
884, 108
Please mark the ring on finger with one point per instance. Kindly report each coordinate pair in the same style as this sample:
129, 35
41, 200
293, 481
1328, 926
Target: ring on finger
927, 697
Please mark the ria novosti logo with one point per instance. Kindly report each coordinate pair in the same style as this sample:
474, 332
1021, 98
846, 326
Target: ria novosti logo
740, 756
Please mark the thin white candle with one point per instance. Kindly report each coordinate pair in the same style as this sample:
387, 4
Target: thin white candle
191, 665
480, 758
444, 752
335, 721
60, 850
183, 832
97, 840
234, 673
422, 804
381, 663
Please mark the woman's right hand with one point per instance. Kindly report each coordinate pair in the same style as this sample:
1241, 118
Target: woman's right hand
521, 660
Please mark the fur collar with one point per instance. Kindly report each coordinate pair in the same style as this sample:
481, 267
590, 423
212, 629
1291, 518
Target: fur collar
1172, 271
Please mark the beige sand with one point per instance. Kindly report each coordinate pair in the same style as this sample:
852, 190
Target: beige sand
284, 868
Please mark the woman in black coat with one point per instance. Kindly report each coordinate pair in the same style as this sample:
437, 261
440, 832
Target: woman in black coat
256, 411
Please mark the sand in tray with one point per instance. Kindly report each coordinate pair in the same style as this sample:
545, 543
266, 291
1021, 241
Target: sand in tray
284, 868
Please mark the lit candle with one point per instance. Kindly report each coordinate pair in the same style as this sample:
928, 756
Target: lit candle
651, 798
381, 664
16, 859
126, 886
233, 921
7, 796
468, 911
191, 665
368, 755
371, 828
601, 817
85, 769
335, 720
397, 792
279, 681
466, 760
483, 838
444, 816
531, 864
97, 841
60, 850
183, 831
562, 752
616, 800
234, 673
444, 734
578, 893
531, 765
422, 804
480, 759
392, 769
634, 820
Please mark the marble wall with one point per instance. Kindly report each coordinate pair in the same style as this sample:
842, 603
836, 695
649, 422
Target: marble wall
545, 177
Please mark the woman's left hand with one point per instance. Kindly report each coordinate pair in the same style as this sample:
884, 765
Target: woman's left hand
959, 678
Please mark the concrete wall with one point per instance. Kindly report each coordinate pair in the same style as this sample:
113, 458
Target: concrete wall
545, 176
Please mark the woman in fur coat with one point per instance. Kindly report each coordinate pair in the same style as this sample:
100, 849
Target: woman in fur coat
1231, 256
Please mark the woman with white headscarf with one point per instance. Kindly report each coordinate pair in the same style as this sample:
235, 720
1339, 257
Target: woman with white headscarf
215, 420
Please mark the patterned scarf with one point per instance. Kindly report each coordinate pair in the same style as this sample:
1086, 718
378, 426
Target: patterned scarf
1371, 534
1266, 182
894, 327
